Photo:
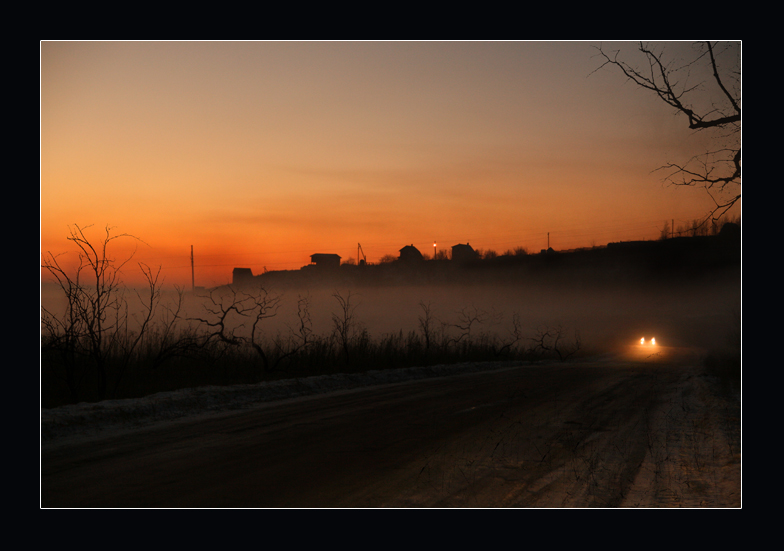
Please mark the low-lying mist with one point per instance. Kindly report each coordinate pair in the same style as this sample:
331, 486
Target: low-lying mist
115, 342
677, 313
232, 335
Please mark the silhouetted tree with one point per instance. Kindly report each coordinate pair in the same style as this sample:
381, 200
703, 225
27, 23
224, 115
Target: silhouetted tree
712, 102
426, 323
469, 318
96, 332
229, 309
515, 336
553, 340
301, 336
344, 322
489, 253
665, 231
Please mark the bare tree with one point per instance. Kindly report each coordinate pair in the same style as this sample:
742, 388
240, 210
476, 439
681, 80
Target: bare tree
304, 330
711, 101
96, 328
228, 311
515, 336
426, 323
264, 305
344, 323
168, 340
468, 318
221, 305
553, 340
489, 254
300, 337
666, 232
125, 339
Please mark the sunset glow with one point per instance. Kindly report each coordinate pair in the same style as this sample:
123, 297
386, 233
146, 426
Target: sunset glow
259, 154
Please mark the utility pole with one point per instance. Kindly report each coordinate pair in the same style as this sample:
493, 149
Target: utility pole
193, 273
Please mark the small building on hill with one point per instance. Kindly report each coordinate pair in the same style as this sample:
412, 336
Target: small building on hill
241, 276
463, 253
409, 253
321, 260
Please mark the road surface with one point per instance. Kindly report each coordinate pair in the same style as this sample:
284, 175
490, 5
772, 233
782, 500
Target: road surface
637, 430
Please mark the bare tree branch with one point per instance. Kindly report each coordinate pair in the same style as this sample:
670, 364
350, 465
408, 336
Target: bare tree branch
551, 339
718, 171
344, 322
227, 310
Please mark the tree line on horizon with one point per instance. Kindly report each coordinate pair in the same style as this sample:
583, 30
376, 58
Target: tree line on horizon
692, 228
697, 227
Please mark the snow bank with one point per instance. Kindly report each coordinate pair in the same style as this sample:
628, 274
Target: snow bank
111, 416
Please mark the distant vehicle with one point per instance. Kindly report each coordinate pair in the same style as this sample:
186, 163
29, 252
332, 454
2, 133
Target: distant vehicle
650, 342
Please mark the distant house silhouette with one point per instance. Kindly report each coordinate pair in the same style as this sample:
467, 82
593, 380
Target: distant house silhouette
409, 253
241, 276
463, 253
325, 260
730, 230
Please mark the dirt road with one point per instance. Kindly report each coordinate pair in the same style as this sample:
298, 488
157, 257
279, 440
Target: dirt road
640, 429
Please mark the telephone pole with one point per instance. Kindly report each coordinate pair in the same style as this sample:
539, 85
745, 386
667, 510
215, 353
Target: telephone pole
193, 274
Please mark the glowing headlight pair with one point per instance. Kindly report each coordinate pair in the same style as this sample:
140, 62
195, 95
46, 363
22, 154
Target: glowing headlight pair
652, 342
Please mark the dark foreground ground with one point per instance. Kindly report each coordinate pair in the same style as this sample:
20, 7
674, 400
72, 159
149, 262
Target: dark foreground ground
637, 430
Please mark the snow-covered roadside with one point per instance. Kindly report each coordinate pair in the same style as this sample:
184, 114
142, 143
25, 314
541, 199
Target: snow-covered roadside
694, 452
89, 420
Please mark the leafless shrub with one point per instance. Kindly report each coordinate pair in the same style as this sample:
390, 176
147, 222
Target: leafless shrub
228, 310
514, 336
489, 254
468, 318
96, 333
553, 340
299, 338
344, 323
168, 339
426, 323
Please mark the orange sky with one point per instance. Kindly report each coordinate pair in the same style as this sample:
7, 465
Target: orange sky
260, 154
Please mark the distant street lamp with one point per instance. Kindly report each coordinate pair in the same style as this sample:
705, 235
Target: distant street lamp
434, 250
